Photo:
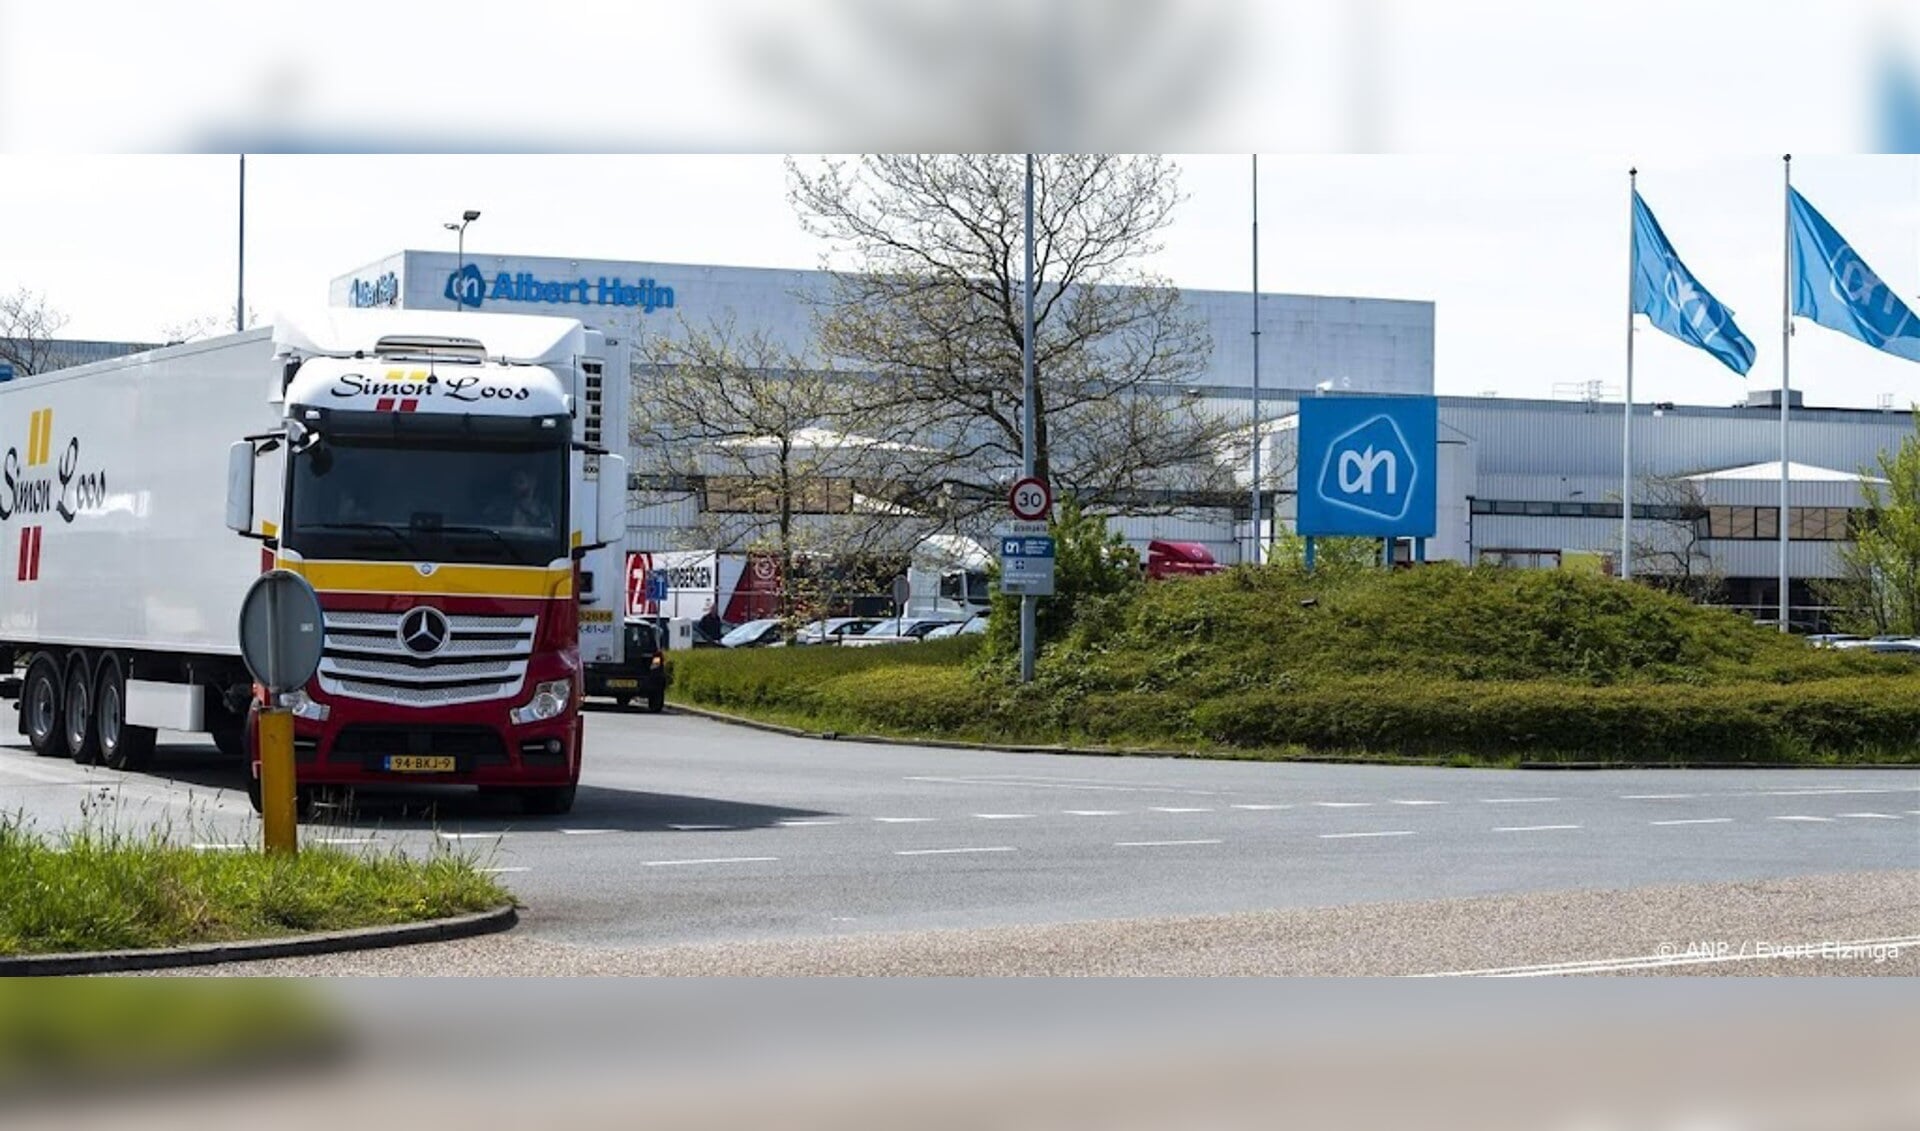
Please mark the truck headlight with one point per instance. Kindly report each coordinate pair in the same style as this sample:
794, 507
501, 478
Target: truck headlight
549, 700
305, 708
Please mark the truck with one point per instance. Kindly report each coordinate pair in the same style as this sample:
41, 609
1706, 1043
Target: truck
437, 477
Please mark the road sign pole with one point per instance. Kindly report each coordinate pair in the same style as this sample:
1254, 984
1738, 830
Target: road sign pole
1309, 553
1029, 605
279, 820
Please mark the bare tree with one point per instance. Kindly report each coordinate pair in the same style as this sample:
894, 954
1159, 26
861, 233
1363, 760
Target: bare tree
934, 306
1670, 535
27, 329
784, 454
206, 326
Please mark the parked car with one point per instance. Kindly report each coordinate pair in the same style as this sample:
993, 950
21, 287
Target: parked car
1835, 640
972, 626
642, 674
897, 630
831, 630
753, 634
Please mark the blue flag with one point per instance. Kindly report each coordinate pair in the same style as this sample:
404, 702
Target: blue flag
1833, 286
1674, 301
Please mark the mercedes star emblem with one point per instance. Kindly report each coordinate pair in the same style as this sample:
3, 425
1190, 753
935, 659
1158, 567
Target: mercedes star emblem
423, 631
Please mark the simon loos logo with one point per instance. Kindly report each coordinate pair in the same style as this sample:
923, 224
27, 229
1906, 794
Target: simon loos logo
37, 485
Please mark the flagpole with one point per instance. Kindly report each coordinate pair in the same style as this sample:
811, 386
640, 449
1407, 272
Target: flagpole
1626, 424
1253, 541
1786, 345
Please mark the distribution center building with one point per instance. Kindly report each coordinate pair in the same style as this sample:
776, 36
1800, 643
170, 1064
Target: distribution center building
1527, 483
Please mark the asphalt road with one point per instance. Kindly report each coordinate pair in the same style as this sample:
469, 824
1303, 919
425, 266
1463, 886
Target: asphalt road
691, 832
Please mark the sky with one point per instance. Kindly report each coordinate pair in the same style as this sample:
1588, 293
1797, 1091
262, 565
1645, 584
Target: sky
1524, 257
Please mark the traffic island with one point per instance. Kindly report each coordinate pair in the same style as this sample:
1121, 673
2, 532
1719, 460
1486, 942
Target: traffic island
97, 900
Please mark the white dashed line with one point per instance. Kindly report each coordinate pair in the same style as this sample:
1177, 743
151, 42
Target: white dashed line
1657, 796
1824, 820
345, 840
1696, 821
950, 851
1873, 816
222, 847
1534, 828
1160, 843
592, 832
1815, 792
1091, 812
802, 824
470, 836
903, 820
496, 871
1351, 836
1179, 809
1344, 804
1004, 816
1416, 802
1262, 808
711, 860
1515, 800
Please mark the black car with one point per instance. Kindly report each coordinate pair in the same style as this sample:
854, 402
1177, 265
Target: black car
642, 674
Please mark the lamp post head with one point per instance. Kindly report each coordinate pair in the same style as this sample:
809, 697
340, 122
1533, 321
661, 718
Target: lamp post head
470, 215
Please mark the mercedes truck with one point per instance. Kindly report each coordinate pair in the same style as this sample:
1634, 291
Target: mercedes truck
436, 476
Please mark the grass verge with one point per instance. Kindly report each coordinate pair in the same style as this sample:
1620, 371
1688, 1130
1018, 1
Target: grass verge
97, 888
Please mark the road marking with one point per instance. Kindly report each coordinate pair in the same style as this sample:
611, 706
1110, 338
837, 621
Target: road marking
1416, 802
1062, 783
471, 836
1656, 796
1815, 792
711, 860
1515, 800
1261, 808
345, 840
1160, 843
1343, 804
222, 847
1350, 836
1656, 961
1873, 816
903, 820
593, 832
1180, 809
950, 851
1534, 828
1003, 816
497, 870
677, 828
1091, 812
802, 824
1827, 820
1696, 821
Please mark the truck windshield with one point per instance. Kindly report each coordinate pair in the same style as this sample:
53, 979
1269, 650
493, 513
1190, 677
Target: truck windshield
375, 499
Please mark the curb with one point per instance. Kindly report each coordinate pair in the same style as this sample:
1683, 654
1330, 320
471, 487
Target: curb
296, 946
1308, 759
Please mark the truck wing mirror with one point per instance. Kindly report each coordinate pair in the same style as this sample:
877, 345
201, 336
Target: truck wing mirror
240, 487
612, 525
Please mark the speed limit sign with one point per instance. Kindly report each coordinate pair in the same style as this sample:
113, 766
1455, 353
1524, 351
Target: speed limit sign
1030, 499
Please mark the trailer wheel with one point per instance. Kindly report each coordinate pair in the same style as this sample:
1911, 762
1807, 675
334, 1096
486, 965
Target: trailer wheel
550, 801
656, 702
82, 736
122, 746
229, 735
40, 707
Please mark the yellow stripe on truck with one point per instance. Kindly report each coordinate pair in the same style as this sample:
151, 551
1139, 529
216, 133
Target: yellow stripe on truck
444, 581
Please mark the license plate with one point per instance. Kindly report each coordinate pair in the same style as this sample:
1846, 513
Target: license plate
623, 683
420, 763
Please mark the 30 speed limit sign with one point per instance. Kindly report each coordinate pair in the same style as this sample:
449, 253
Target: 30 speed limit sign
1030, 500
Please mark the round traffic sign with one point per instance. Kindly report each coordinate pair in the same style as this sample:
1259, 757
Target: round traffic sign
281, 631
1030, 499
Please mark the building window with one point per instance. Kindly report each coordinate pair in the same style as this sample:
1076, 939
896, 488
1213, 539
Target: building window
1521, 559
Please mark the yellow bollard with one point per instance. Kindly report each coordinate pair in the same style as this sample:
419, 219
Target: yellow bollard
277, 809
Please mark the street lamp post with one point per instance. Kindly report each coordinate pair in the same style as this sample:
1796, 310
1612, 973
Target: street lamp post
467, 217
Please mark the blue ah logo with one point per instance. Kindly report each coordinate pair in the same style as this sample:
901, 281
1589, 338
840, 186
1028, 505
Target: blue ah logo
466, 287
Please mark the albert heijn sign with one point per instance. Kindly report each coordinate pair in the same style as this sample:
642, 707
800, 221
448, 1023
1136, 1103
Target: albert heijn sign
1367, 466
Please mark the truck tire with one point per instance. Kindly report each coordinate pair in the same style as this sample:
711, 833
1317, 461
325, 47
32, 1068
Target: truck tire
229, 734
77, 715
40, 707
657, 702
550, 801
122, 746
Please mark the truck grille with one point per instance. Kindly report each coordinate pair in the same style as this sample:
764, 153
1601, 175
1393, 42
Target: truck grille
484, 658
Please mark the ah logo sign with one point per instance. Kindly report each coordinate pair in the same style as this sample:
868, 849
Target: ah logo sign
1367, 466
467, 286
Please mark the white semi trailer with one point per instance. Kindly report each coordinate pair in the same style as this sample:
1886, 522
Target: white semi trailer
435, 476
